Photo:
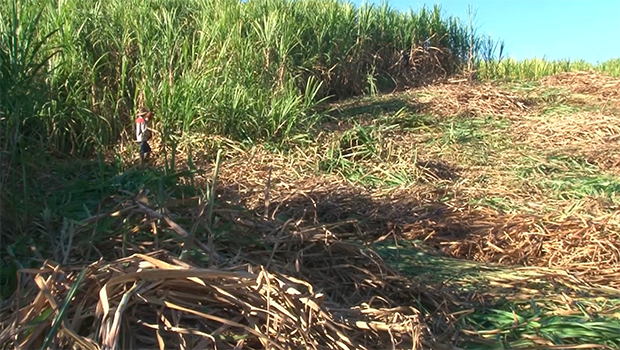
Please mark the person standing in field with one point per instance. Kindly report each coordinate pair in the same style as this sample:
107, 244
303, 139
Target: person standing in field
143, 132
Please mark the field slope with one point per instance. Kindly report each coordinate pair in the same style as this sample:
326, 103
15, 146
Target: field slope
453, 216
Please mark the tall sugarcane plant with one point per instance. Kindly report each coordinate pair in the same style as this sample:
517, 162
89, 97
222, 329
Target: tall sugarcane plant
252, 71
25, 52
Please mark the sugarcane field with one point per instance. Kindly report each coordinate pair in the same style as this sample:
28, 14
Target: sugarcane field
299, 174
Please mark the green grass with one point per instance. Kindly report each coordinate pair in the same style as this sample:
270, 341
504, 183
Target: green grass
361, 154
569, 177
473, 140
524, 325
501, 204
365, 153
472, 130
577, 186
559, 109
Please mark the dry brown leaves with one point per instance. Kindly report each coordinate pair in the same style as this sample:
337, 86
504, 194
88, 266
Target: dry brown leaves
569, 130
279, 185
155, 301
589, 248
603, 87
592, 134
595, 135
472, 100
288, 278
300, 288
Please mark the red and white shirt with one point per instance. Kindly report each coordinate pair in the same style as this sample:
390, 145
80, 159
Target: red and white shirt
141, 129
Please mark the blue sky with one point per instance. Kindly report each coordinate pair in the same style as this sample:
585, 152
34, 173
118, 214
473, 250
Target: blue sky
555, 29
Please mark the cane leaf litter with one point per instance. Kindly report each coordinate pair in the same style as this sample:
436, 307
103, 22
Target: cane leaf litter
454, 221
451, 215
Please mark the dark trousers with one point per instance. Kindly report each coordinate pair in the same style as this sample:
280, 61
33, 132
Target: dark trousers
144, 149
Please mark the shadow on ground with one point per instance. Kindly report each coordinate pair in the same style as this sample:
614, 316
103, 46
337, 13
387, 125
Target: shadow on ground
361, 107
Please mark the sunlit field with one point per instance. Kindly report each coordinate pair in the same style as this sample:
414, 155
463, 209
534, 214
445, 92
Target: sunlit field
324, 176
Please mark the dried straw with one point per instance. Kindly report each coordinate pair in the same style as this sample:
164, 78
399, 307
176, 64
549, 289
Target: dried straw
335, 297
588, 248
604, 87
290, 276
463, 99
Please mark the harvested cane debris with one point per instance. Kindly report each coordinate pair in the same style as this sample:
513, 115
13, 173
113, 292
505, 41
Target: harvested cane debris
289, 255
602, 86
473, 100
589, 248
152, 299
155, 301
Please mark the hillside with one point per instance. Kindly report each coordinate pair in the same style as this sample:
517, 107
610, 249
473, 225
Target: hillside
450, 216
325, 176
